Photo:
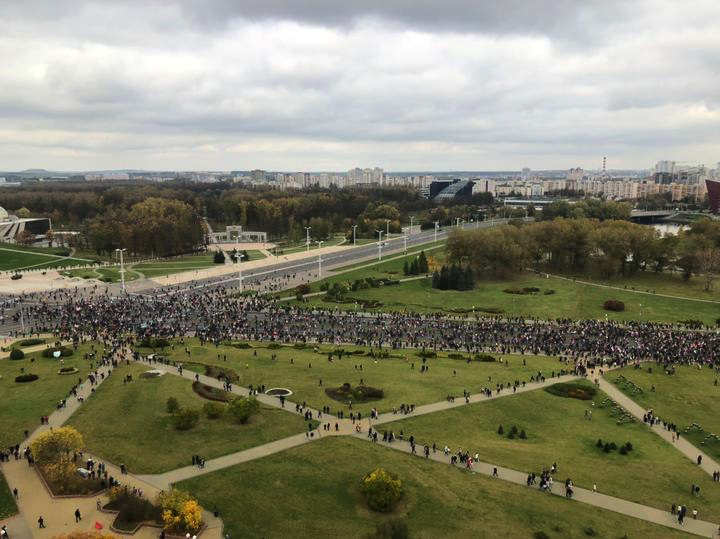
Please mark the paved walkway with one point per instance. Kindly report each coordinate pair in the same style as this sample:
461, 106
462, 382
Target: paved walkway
477, 397
618, 505
685, 447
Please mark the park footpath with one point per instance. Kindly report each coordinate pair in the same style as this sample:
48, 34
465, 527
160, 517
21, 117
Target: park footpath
34, 500
708, 465
618, 505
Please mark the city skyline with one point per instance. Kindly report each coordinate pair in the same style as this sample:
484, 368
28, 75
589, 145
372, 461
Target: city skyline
408, 86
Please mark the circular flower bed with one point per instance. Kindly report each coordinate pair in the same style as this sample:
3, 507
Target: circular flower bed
278, 392
68, 370
26, 378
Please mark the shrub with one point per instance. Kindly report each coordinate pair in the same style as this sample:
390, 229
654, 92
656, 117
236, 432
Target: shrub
242, 408
211, 393
382, 490
64, 351
26, 378
606, 447
456, 356
523, 436
16, 353
217, 372
500, 430
213, 410
599, 443
487, 358
66, 370
30, 342
392, 529
530, 290
428, 354
613, 446
302, 289
540, 535
629, 446
218, 257
590, 532
511, 435
549, 292
241, 345
623, 450
614, 305
274, 346
172, 405
186, 418
572, 390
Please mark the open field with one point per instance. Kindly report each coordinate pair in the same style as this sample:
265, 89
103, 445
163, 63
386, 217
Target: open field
653, 473
160, 268
688, 397
301, 372
13, 259
128, 423
22, 404
286, 248
314, 491
568, 300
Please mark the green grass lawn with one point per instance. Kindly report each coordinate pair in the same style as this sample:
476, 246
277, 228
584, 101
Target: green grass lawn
161, 268
110, 274
254, 254
7, 503
400, 383
128, 423
314, 491
689, 396
22, 405
12, 259
569, 300
653, 473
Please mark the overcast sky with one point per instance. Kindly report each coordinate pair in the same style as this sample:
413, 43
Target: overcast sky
333, 84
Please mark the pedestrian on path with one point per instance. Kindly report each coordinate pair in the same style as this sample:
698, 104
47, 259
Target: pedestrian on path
41, 523
4, 533
78, 518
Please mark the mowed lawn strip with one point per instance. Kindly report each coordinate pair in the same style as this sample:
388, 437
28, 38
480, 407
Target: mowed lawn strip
302, 371
7, 502
128, 423
686, 397
653, 473
314, 491
175, 265
568, 300
22, 404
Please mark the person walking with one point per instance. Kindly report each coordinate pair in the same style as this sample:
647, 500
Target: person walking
78, 518
41, 522
4, 533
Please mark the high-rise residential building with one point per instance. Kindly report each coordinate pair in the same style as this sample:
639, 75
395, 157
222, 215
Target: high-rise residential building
258, 176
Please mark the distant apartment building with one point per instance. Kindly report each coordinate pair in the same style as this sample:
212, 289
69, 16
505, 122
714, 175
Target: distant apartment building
258, 176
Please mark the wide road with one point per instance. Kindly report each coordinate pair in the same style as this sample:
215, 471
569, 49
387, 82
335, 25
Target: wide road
395, 245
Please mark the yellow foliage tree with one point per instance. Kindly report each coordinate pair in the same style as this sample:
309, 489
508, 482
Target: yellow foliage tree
181, 512
49, 446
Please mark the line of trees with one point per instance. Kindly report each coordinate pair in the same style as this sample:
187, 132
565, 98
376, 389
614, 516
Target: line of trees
613, 248
454, 277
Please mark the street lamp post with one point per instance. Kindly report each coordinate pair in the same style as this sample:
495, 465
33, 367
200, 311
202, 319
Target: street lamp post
122, 267
354, 227
387, 225
307, 237
380, 232
437, 223
319, 266
412, 218
319, 243
405, 238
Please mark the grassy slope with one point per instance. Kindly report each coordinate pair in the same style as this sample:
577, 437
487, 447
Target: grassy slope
127, 423
570, 300
175, 265
558, 432
11, 260
689, 396
395, 377
22, 405
313, 491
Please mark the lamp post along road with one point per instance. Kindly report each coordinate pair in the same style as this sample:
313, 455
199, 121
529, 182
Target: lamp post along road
354, 227
307, 237
412, 218
437, 223
240, 256
122, 267
380, 232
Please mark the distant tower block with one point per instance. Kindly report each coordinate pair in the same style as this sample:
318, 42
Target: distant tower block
604, 165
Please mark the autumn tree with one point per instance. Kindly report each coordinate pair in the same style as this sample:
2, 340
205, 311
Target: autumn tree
49, 446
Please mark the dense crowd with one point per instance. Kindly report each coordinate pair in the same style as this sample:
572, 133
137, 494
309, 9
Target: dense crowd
219, 314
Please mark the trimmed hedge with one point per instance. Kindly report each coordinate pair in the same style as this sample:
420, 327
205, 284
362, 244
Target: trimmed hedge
572, 390
64, 351
211, 393
614, 305
16, 354
23, 378
30, 342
